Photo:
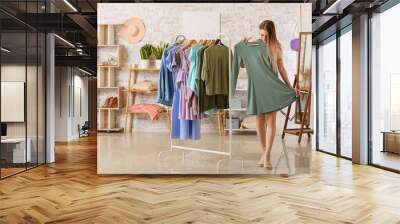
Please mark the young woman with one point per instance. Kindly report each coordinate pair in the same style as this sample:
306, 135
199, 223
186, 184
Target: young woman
266, 123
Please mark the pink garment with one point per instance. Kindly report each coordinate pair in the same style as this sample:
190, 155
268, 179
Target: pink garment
186, 110
153, 110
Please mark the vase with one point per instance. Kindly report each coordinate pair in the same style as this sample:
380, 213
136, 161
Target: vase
144, 63
158, 63
152, 63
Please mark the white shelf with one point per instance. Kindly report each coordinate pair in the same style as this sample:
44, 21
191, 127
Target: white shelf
106, 77
110, 129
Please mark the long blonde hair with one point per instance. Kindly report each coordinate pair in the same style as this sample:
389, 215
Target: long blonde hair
274, 47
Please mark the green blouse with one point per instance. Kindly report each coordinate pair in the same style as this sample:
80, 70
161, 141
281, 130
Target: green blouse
266, 92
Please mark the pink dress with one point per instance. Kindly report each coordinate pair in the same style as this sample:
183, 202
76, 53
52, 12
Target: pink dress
187, 111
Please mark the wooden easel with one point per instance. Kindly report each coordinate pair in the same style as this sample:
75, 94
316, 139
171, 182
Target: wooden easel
302, 118
302, 115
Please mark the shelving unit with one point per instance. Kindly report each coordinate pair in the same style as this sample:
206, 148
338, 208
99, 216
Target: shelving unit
221, 122
106, 79
141, 91
222, 117
134, 71
107, 51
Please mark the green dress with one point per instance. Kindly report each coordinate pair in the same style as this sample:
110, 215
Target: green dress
266, 92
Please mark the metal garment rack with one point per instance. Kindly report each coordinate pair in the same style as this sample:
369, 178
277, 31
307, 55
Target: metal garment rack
209, 150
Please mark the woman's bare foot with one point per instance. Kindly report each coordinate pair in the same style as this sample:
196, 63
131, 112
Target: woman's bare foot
267, 163
261, 162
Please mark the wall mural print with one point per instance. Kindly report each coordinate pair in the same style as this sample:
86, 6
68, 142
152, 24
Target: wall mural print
171, 77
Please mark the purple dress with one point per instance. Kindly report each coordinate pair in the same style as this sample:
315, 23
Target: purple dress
180, 128
187, 111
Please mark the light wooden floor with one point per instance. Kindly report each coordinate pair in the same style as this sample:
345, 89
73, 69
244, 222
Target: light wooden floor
69, 191
387, 159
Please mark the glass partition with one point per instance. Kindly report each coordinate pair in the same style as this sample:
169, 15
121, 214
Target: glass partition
32, 98
346, 93
22, 77
327, 96
14, 145
385, 90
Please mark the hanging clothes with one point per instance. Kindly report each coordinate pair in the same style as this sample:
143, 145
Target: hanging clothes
165, 91
186, 111
180, 128
266, 92
215, 70
216, 65
196, 92
198, 98
194, 67
183, 129
194, 77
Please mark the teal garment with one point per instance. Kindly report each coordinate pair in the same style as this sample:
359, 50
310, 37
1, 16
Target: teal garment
199, 55
193, 82
266, 92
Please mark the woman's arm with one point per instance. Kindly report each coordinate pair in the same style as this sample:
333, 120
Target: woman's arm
283, 72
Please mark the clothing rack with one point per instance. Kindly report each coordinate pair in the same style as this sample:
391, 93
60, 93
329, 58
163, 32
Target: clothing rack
209, 150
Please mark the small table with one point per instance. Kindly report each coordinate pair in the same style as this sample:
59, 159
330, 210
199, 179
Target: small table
391, 141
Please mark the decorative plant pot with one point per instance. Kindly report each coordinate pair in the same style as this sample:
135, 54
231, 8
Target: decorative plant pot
147, 63
158, 63
144, 63
152, 63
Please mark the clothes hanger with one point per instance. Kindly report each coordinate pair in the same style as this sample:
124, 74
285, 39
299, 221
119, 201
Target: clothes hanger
183, 38
183, 43
219, 42
252, 41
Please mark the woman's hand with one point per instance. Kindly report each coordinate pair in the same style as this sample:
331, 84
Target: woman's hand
296, 91
245, 39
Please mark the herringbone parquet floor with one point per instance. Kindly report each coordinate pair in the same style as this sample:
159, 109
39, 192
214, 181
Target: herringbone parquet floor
69, 191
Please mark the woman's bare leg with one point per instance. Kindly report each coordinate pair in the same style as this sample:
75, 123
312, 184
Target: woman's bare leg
260, 122
270, 136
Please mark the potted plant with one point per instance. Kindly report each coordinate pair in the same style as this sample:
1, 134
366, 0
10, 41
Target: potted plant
147, 56
158, 52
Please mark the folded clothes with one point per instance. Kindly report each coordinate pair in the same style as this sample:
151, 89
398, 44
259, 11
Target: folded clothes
153, 110
249, 122
145, 85
111, 102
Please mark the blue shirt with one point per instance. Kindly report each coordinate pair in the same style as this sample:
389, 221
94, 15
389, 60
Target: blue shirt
165, 93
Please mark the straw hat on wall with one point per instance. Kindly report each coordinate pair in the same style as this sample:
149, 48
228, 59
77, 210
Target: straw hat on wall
133, 30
